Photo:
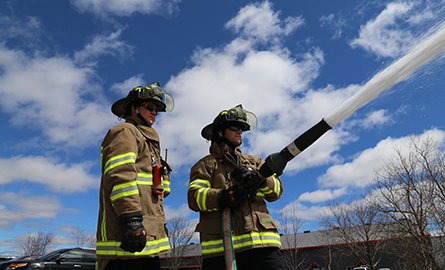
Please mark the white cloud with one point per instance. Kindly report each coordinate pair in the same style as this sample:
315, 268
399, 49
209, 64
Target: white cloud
379, 117
23, 27
182, 211
124, 87
307, 213
272, 84
383, 36
53, 93
104, 45
334, 23
60, 177
322, 195
360, 171
259, 22
16, 207
104, 8
263, 81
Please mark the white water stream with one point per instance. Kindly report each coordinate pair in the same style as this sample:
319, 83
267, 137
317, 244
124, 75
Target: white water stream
426, 50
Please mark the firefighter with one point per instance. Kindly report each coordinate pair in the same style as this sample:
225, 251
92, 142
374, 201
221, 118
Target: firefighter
131, 231
227, 178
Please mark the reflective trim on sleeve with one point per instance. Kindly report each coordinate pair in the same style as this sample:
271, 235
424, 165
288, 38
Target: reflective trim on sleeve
251, 240
147, 179
112, 248
276, 187
201, 198
125, 189
131, 189
199, 183
202, 189
118, 160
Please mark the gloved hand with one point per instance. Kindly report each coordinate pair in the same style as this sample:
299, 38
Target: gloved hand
134, 235
247, 179
231, 197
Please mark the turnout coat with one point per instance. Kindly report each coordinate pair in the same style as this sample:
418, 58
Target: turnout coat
127, 155
252, 225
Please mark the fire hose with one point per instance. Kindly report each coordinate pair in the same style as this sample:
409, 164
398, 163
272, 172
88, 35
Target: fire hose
425, 51
421, 54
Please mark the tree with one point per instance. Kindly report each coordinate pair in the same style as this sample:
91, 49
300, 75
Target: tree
290, 226
411, 188
83, 239
180, 234
36, 243
360, 227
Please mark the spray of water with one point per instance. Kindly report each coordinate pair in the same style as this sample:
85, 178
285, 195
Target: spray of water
425, 51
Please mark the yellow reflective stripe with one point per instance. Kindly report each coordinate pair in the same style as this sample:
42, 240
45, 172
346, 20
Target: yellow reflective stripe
276, 184
118, 160
131, 189
165, 183
211, 247
266, 190
202, 186
201, 198
124, 189
251, 239
199, 183
276, 187
103, 227
112, 248
145, 178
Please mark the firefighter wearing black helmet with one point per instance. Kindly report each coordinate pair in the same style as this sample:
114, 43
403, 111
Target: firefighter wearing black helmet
135, 180
227, 178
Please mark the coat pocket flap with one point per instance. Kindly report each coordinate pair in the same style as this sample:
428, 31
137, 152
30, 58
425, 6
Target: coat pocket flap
266, 221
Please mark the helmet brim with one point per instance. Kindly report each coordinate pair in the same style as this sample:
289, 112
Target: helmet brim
207, 131
118, 107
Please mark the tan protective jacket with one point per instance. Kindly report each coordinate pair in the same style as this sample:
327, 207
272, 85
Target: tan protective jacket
126, 159
252, 225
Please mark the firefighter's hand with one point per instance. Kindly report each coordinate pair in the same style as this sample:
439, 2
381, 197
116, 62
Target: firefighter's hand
231, 197
133, 232
247, 179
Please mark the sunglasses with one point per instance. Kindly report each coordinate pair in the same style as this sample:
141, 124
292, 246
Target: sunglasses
152, 107
234, 128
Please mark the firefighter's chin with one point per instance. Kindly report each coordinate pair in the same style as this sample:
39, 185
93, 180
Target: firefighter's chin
150, 120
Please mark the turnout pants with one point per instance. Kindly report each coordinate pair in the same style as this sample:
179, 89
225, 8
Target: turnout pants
134, 264
258, 259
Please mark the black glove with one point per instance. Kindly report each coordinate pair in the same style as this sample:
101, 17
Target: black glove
247, 179
134, 235
231, 198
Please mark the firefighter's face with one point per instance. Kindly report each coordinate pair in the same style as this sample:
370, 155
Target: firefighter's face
234, 135
149, 111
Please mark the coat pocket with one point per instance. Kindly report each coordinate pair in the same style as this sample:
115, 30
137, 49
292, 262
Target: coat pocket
266, 221
154, 226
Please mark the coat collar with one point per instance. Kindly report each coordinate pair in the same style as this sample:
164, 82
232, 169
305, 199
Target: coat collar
221, 151
147, 131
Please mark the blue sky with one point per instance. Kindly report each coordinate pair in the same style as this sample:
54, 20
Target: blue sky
63, 63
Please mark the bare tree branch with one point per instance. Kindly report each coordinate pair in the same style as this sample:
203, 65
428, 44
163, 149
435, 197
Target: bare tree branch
36, 243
